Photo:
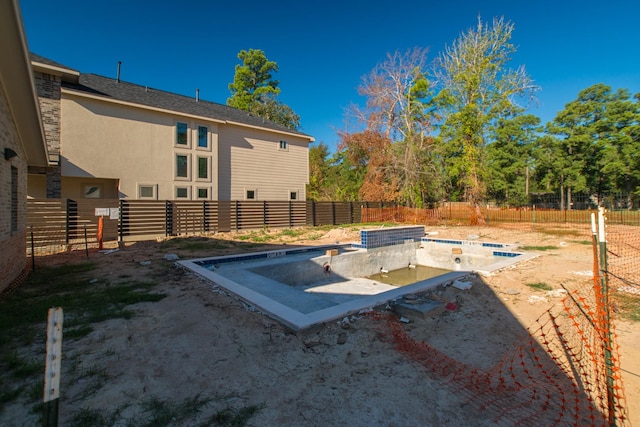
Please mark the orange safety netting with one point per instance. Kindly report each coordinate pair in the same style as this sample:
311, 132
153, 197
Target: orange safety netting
567, 372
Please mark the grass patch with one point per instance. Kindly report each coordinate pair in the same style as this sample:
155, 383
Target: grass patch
540, 286
538, 248
234, 417
9, 395
193, 244
628, 306
561, 232
583, 242
163, 412
23, 317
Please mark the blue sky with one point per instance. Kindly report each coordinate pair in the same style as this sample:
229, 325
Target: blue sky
324, 48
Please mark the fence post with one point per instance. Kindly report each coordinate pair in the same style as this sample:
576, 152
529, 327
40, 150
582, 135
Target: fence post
264, 214
33, 255
333, 213
205, 217
168, 218
290, 214
71, 215
120, 225
237, 207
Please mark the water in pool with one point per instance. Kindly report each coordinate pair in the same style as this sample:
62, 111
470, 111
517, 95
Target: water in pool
408, 275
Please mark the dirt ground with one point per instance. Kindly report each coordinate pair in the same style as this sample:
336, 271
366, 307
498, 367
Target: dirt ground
201, 343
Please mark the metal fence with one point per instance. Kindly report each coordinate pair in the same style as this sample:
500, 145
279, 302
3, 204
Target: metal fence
65, 222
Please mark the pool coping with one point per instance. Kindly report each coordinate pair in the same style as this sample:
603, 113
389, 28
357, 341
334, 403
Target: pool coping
297, 320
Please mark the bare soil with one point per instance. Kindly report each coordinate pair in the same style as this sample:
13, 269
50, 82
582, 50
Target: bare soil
201, 343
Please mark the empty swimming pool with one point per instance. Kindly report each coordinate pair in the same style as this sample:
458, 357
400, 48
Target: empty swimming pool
301, 287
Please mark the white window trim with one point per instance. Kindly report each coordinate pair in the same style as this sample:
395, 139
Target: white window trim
154, 188
175, 192
175, 134
197, 137
197, 168
197, 196
286, 145
98, 186
255, 193
297, 193
175, 166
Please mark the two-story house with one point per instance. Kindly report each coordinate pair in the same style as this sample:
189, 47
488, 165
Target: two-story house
121, 140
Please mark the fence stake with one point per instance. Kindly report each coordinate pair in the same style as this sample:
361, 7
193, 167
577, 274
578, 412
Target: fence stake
533, 217
33, 254
608, 344
52, 368
86, 245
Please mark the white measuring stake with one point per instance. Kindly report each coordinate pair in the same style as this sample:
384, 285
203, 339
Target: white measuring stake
54, 355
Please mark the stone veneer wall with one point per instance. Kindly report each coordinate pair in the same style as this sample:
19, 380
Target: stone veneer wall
48, 87
12, 242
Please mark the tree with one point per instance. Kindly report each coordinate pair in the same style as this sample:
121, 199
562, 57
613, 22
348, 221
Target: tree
254, 90
510, 158
319, 170
477, 89
396, 142
597, 135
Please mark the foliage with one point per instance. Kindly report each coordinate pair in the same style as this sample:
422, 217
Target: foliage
510, 158
477, 90
540, 286
467, 138
254, 90
395, 149
596, 141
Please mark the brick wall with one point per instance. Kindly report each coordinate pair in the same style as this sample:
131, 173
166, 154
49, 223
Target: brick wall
12, 242
48, 88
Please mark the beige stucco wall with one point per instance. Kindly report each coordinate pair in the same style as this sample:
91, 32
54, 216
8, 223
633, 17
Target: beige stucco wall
132, 145
137, 146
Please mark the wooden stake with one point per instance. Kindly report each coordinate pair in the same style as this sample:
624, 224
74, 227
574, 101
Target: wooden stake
52, 368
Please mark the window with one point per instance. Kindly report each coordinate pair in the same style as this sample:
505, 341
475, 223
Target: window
182, 166
181, 134
147, 191
203, 193
283, 145
251, 195
293, 195
14, 199
203, 168
92, 191
182, 192
203, 137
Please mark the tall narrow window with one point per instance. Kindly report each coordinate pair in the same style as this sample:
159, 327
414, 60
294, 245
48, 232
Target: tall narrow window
203, 168
283, 145
14, 199
203, 137
182, 170
181, 134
